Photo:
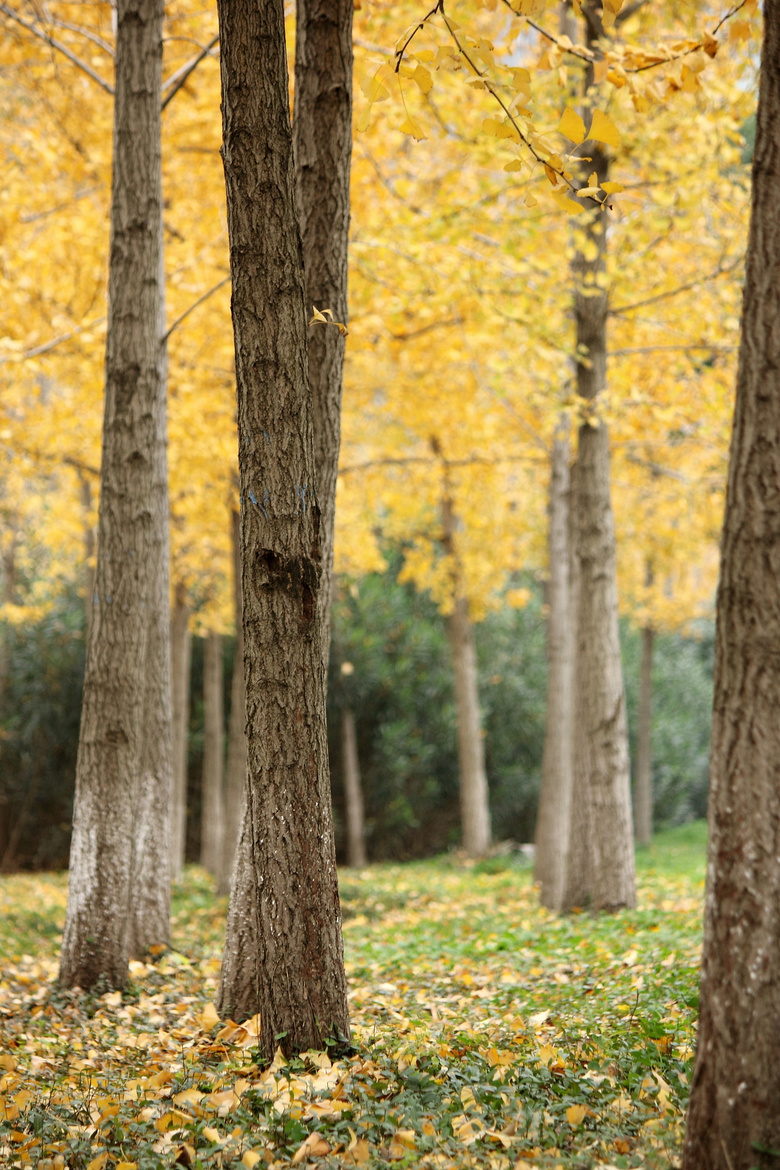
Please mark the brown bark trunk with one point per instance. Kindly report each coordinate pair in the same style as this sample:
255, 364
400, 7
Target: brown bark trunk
89, 546
601, 781
552, 824
181, 653
97, 936
643, 787
322, 132
283, 951
235, 772
353, 793
734, 1115
212, 803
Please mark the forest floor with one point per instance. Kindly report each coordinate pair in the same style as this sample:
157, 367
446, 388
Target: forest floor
488, 1033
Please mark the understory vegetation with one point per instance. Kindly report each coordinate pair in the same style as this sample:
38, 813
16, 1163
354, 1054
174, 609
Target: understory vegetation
486, 1032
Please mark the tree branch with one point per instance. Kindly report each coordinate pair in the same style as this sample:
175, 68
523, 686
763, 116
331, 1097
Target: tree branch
178, 79
195, 304
58, 45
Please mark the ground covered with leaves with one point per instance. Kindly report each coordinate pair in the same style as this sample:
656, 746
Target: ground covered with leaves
488, 1033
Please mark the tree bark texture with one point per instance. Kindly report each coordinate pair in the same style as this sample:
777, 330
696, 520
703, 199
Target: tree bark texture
322, 133
181, 654
212, 799
353, 793
601, 793
235, 771
284, 952
104, 847
552, 825
643, 785
734, 1115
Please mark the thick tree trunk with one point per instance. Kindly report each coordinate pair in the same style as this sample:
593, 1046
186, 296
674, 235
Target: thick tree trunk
353, 793
181, 653
322, 133
552, 823
212, 802
643, 785
97, 938
283, 951
734, 1115
601, 781
235, 772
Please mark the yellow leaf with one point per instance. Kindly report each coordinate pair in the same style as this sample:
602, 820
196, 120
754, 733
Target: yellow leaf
710, 44
411, 126
516, 164
612, 188
315, 1146
572, 125
547, 1052
250, 1158
423, 78
529, 200
99, 1162
603, 129
589, 192
211, 1133
208, 1017
575, 1114
126, 1166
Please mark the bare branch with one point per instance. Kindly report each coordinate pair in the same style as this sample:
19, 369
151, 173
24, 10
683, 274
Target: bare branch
179, 78
46, 346
673, 292
58, 45
709, 348
195, 304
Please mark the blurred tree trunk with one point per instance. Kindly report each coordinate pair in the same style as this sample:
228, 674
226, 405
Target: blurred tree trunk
643, 788
89, 545
108, 849
474, 799
181, 653
552, 825
235, 773
283, 950
322, 143
734, 1113
601, 792
212, 800
353, 793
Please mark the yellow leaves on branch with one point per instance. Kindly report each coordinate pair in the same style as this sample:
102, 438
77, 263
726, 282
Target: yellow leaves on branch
325, 317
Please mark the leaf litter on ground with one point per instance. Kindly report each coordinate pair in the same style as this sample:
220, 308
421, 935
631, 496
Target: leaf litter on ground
487, 1032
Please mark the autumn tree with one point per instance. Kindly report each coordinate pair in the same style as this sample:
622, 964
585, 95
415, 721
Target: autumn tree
733, 1121
283, 952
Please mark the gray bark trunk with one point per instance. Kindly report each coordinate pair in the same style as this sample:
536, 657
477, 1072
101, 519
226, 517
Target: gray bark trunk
552, 825
353, 793
601, 790
89, 546
212, 802
104, 849
181, 653
322, 133
283, 952
734, 1115
235, 772
643, 786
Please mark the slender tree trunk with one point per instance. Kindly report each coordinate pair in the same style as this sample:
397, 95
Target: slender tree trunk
552, 824
353, 793
734, 1115
235, 773
322, 134
212, 806
181, 653
89, 546
283, 952
97, 935
601, 780
643, 787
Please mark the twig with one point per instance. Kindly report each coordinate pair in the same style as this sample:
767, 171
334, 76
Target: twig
58, 45
37, 350
719, 271
178, 79
193, 306
400, 53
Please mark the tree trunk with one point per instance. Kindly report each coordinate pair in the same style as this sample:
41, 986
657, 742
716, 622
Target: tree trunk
181, 652
601, 790
283, 951
97, 935
322, 133
235, 773
212, 804
734, 1115
552, 824
89, 545
643, 788
353, 794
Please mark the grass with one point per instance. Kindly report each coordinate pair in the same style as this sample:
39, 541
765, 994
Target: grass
488, 1033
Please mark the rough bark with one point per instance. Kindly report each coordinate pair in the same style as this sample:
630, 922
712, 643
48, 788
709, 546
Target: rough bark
181, 654
353, 793
212, 802
235, 771
552, 824
322, 133
643, 784
601, 780
474, 797
734, 1115
97, 938
283, 952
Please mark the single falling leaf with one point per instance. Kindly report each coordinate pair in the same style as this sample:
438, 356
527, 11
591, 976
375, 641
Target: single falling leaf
603, 129
572, 126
